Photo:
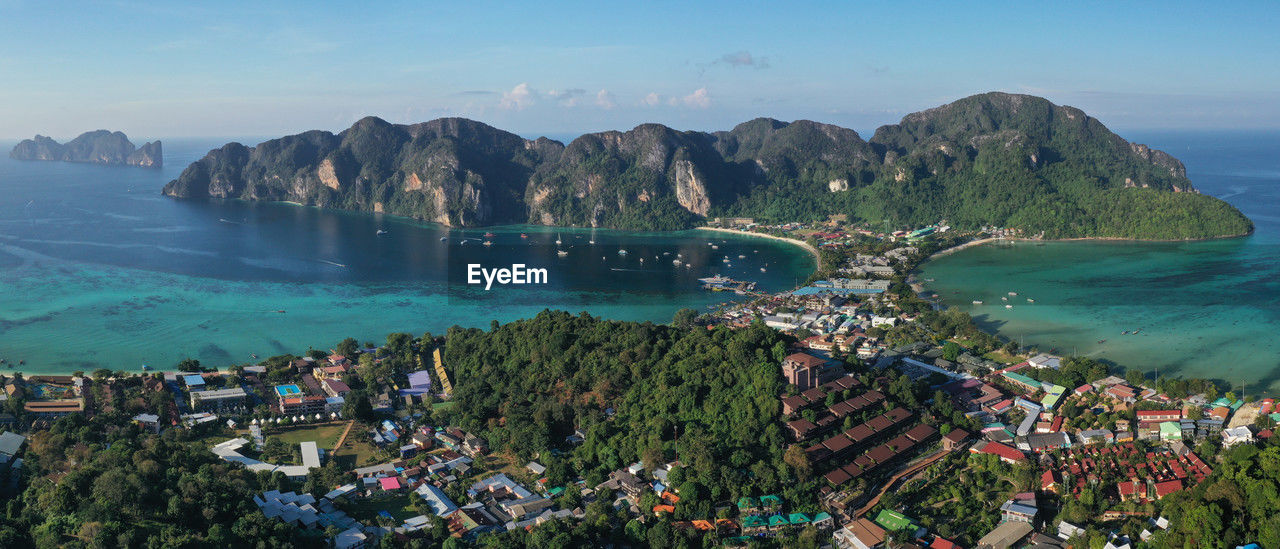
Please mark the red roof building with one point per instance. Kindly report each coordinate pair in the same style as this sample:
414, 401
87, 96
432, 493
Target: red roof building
1007, 453
1167, 487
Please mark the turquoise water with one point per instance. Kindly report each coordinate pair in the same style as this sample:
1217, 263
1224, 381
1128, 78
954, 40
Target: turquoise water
1201, 309
98, 270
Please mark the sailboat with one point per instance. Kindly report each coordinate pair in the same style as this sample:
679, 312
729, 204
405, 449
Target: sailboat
562, 253
557, 239
487, 243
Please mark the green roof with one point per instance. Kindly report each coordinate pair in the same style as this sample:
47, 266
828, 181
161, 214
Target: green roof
798, 518
778, 520
556, 491
1171, 430
821, 516
751, 522
770, 499
894, 521
746, 501
1019, 378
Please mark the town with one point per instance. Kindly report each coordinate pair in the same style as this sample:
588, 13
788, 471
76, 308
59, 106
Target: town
896, 416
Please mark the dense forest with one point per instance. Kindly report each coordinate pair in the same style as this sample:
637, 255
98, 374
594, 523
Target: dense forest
994, 159
638, 391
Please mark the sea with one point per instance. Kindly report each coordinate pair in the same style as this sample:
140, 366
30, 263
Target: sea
99, 270
1207, 309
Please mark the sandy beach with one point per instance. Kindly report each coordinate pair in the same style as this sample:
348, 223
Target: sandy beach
817, 257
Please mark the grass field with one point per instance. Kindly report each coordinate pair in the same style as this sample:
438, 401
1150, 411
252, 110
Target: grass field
324, 435
398, 505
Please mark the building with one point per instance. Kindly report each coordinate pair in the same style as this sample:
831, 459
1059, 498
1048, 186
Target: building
1018, 511
1045, 361
336, 388
1006, 535
954, 439
859, 534
217, 398
302, 405
1158, 416
54, 408
805, 371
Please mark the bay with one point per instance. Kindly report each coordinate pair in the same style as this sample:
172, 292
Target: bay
1200, 309
98, 270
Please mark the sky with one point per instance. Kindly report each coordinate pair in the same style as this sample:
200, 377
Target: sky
159, 69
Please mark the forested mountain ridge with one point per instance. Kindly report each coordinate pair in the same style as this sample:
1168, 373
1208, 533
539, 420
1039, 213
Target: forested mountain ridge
95, 147
992, 159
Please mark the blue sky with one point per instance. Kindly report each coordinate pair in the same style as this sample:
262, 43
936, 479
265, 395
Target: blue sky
157, 69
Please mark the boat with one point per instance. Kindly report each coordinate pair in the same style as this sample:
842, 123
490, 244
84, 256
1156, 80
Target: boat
592, 241
1004, 299
675, 262
522, 235
281, 311
1101, 341
714, 247
977, 302
561, 253
725, 260
1013, 293
1029, 300
487, 243
489, 235
146, 368
380, 231
762, 269
622, 252
444, 238
740, 256
1008, 306
557, 239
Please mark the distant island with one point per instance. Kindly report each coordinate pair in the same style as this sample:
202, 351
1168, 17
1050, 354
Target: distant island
995, 159
95, 147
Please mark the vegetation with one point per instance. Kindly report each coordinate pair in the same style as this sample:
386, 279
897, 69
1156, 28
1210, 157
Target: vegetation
989, 160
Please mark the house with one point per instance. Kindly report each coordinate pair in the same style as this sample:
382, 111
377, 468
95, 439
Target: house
390, 484
1045, 361
1006, 535
148, 421
311, 404
1236, 435
859, 534
1158, 416
954, 439
1018, 511
1006, 453
1095, 436
536, 468
436, 499
194, 382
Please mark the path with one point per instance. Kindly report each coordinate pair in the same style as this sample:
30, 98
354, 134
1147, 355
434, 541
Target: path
342, 439
901, 474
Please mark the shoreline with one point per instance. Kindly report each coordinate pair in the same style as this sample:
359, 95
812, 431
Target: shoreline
817, 256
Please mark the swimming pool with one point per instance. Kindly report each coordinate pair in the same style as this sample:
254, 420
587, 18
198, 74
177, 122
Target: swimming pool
288, 390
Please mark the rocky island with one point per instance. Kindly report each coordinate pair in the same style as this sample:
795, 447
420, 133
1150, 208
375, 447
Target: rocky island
995, 159
95, 147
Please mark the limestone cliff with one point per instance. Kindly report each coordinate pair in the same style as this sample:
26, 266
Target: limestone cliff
96, 147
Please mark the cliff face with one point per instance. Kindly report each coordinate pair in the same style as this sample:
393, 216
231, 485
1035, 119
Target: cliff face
991, 159
96, 147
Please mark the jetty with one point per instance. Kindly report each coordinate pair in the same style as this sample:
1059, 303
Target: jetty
720, 283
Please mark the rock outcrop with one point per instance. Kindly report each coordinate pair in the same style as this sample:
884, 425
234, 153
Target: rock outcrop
96, 147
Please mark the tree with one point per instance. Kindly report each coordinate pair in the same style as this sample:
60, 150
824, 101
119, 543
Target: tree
685, 319
798, 460
189, 365
951, 350
347, 347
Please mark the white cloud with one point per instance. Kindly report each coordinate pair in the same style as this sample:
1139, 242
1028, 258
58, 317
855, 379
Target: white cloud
605, 100
698, 99
518, 98
651, 100
567, 98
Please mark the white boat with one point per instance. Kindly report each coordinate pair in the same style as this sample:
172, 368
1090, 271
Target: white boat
762, 269
622, 252
1029, 300
487, 243
1013, 293
557, 239
561, 253
592, 241
1008, 306
444, 238
380, 231
1004, 299
675, 262
714, 247
740, 256
976, 302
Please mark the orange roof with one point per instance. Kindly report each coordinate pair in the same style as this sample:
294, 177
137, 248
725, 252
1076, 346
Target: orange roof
704, 525
670, 497
663, 509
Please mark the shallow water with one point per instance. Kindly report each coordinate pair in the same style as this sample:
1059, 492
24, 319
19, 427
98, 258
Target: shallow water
97, 269
1204, 309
